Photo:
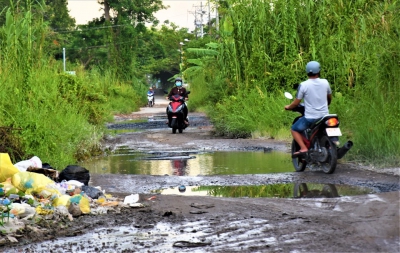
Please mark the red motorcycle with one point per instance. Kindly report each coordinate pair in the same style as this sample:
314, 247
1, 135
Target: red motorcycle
175, 112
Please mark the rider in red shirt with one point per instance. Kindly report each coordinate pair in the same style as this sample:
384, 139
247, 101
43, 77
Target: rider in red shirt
178, 89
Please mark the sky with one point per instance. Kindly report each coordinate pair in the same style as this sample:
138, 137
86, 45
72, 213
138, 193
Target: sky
181, 12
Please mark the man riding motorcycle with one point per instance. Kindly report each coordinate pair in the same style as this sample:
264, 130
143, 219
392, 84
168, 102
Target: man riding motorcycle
179, 90
317, 96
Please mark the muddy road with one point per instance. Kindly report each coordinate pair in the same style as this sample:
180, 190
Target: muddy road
177, 223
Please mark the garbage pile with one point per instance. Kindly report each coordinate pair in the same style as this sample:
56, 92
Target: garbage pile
30, 188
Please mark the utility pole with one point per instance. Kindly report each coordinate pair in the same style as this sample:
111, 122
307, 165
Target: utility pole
209, 17
64, 59
216, 17
198, 19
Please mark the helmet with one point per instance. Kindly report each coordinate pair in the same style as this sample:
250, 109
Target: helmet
313, 67
178, 82
150, 88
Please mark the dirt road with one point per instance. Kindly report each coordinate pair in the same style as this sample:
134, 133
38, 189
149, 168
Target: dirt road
175, 223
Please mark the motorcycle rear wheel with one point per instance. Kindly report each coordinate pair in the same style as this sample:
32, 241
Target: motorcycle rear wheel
329, 165
299, 163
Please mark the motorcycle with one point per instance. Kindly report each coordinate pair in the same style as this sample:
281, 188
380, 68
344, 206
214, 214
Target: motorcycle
175, 113
322, 141
150, 99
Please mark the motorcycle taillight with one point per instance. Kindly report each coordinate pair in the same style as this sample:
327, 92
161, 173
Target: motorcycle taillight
332, 122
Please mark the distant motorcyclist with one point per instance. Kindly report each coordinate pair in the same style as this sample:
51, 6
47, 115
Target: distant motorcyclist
179, 90
317, 95
151, 92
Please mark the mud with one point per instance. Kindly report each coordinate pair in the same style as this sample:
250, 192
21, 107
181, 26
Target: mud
176, 223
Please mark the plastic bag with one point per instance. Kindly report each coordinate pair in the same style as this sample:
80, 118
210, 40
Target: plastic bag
133, 198
82, 201
22, 210
92, 192
52, 174
8, 187
34, 162
29, 182
63, 200
7, 169
75, 172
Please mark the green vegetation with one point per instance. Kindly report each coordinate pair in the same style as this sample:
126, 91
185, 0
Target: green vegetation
263, 47
237, 73
58, 117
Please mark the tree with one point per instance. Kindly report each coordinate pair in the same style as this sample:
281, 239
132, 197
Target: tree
135, 10
124, 34
57, 15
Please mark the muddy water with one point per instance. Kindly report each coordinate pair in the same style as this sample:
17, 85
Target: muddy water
191, 163
121, 239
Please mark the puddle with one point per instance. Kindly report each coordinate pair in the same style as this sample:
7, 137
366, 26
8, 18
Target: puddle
165, 237
193, 163
120, 239
291, 190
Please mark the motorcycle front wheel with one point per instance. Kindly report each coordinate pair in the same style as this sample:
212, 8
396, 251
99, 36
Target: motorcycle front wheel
329, 165
299, 163
173, 125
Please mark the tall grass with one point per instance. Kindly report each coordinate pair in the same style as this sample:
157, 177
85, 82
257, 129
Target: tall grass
60, 116
264, 46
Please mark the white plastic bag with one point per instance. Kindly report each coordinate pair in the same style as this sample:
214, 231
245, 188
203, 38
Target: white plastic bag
34, 162
133, 198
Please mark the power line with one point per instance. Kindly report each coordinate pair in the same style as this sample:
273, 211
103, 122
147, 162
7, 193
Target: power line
88, 29
100, 46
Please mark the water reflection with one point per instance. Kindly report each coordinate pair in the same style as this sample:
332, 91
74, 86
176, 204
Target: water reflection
292, 190
179, 167
327, 191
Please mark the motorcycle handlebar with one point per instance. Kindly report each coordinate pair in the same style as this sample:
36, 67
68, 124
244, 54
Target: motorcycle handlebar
300, 108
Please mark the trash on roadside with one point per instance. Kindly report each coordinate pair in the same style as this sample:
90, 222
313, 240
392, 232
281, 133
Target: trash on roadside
37, 191
92, 192
22, 210
82, 201
152, 198
182, 188
110, 203
30, 182
133, 198
75, 172
136, 205
50, 173
34, 162
63, 200
7, 169
101, 200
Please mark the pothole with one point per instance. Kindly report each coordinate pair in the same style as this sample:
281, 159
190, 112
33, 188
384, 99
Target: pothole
190, 163
288, 190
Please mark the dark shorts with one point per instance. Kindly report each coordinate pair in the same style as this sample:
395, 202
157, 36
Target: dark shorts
302, 124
